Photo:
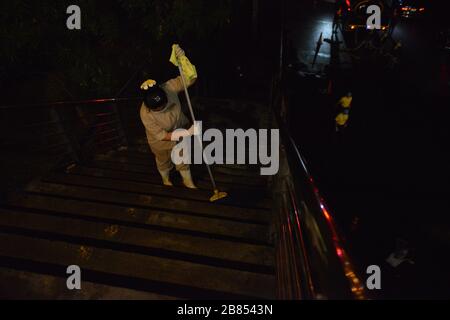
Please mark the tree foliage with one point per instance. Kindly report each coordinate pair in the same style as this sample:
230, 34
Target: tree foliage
116, 37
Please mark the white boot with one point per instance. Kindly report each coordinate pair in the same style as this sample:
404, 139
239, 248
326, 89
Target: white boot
165, 177
187, 179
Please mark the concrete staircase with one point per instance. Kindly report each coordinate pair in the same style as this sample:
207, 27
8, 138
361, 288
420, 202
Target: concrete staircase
134, 238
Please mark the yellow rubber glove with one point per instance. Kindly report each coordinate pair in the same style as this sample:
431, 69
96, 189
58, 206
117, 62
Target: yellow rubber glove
342, 119
189, 70
148, 84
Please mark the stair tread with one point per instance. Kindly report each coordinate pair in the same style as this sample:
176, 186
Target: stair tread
145, 188
154, 179
198, 173
147, 158
25, 285
158, 243
139, 266
204, 226
159, 202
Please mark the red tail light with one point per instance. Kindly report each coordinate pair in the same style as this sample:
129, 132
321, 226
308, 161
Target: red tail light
349, 6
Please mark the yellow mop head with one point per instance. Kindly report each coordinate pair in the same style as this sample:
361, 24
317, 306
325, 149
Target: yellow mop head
218, 195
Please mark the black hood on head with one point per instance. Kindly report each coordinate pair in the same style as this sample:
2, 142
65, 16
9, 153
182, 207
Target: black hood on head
155, 98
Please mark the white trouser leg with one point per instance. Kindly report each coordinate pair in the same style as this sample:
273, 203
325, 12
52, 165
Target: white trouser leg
187, 179
165, 177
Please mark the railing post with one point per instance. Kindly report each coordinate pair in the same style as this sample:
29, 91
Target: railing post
120, 127
72, 145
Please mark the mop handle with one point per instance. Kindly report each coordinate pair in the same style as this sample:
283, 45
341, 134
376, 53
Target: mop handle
191, 109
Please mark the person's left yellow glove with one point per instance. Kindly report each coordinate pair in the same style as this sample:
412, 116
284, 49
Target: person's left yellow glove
178, 56
148, 84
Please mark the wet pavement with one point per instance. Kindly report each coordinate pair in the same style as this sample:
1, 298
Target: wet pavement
386, 176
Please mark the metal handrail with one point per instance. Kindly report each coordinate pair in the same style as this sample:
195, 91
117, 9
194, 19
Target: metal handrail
70, 103
302, 188
83, 128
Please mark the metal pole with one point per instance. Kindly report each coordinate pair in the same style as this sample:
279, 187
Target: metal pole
191, 110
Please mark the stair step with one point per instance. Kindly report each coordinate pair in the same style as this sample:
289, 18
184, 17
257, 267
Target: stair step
156, 243
25, 285
160, 270
209, 228
146, 159
144, 188
252, 192
198, 173
192, 207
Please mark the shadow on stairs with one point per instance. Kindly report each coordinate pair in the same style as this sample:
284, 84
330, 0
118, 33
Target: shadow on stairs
136, 239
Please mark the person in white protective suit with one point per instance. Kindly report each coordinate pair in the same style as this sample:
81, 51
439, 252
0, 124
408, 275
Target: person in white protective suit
161, 115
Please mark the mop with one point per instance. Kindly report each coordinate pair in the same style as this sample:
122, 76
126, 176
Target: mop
217, 194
